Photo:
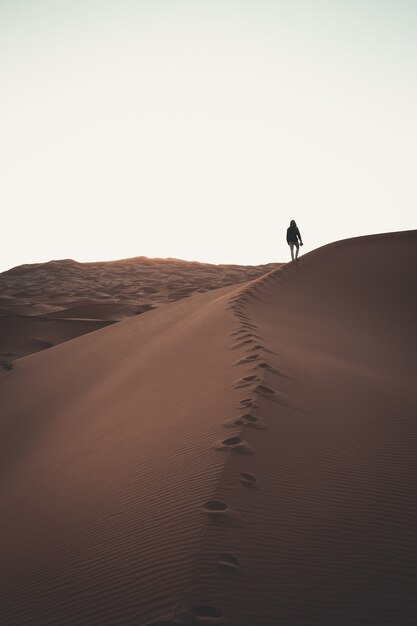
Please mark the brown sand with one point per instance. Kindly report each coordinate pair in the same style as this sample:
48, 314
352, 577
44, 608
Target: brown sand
105, 292
245, 456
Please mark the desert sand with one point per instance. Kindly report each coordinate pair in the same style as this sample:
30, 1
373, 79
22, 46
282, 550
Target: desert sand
243, 456
44, 304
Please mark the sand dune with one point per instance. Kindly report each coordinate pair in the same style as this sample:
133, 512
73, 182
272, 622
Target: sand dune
107, 291
244, 456
23, 334
101, 311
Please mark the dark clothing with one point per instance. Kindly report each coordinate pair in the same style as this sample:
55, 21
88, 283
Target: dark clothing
293, 234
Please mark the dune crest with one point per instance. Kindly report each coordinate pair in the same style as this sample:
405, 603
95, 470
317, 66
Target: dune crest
73, 295
243, 456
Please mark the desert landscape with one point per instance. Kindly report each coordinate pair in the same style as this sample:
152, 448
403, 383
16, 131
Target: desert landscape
185, 444
44, 304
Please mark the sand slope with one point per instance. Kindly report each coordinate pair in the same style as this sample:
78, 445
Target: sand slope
25, 334
106, 291
244, 456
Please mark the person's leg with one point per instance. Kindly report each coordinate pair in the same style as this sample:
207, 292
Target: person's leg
297, 247
292, 251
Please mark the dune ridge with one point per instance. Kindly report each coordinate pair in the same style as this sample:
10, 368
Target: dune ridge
342, 522
70, 294
248, 457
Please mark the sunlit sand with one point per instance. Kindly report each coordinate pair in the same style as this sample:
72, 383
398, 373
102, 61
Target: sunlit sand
240, 456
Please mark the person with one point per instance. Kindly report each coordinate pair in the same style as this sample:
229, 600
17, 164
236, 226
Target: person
293, 237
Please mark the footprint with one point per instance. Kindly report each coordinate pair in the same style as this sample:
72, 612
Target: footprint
232, 441
251, 420
240, 344
266, 366
261, 390
249, 403
246, 335
258, 346
238, 444
245, 381
233, 423
247, 359
220, 513
248, 326
245, 420
241, 384
229, 563
249, 480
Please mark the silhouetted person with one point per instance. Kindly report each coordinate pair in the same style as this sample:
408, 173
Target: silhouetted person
293, 237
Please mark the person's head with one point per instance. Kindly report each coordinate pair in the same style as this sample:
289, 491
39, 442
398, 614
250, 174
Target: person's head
292, 223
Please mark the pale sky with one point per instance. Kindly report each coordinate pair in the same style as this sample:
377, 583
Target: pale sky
198, 129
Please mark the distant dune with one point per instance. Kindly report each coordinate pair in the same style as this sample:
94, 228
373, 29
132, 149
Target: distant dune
73, 294
244, 456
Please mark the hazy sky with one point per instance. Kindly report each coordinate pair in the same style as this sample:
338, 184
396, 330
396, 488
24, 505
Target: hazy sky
197, 129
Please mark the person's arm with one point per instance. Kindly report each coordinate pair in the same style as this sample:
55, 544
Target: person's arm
299, 236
